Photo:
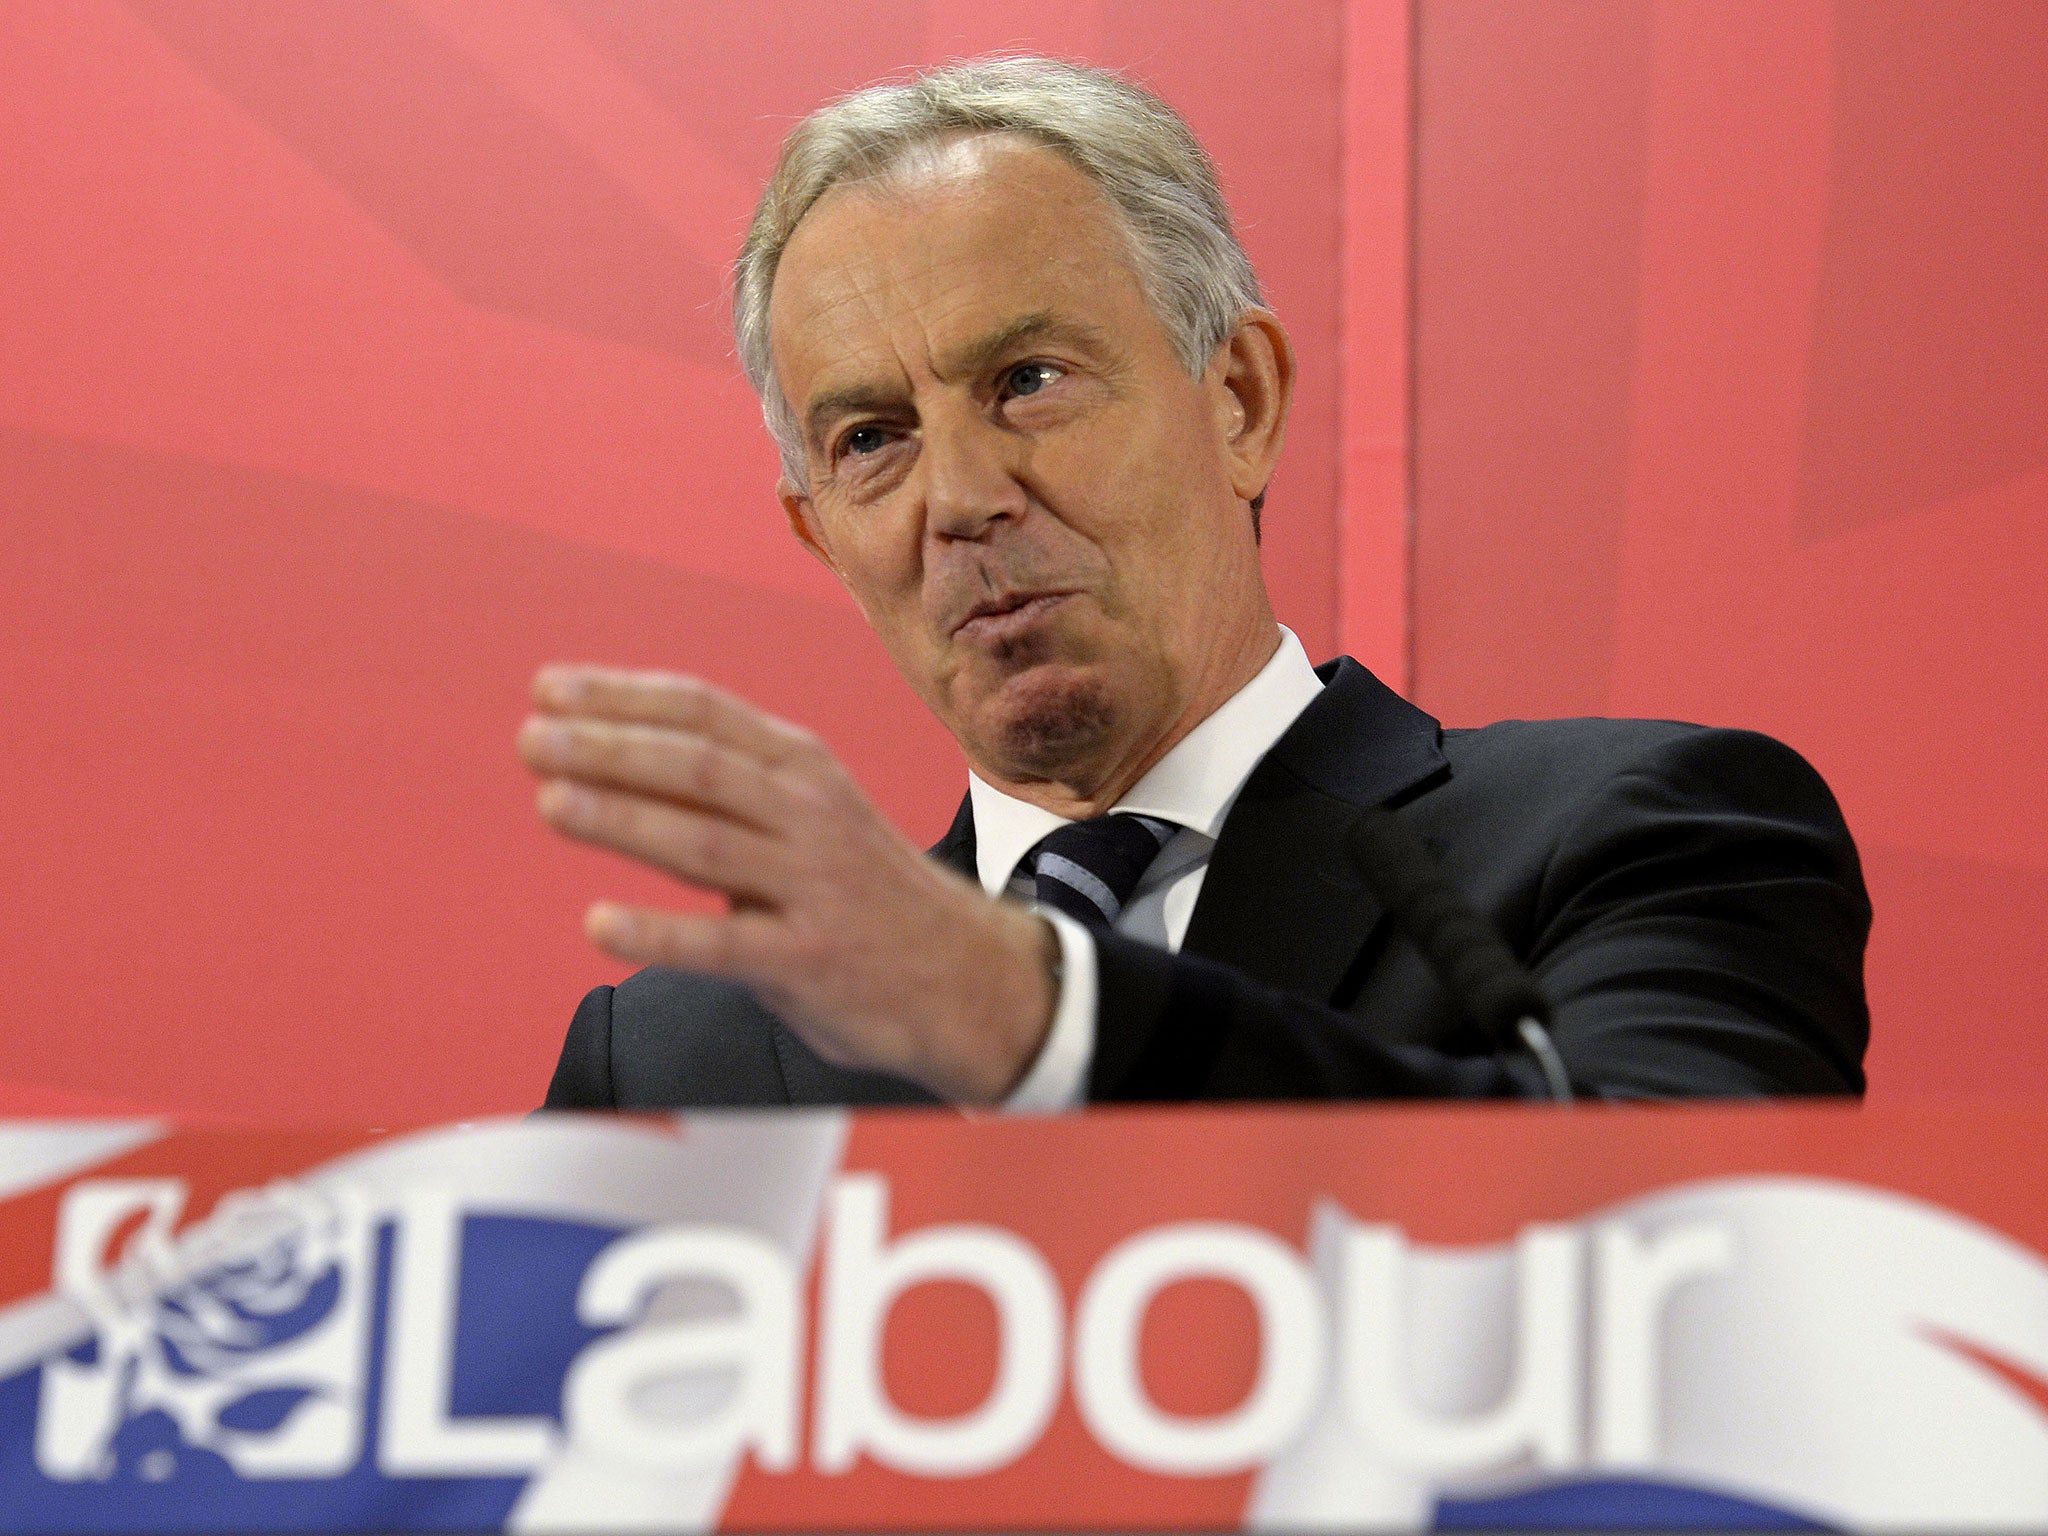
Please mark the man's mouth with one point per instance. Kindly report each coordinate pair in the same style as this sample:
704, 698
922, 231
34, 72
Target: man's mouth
1006, 617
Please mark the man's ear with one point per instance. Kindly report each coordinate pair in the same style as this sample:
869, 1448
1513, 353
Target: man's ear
1252, 385
802, 513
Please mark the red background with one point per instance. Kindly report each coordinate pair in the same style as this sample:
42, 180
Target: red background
1732, 405
358, 356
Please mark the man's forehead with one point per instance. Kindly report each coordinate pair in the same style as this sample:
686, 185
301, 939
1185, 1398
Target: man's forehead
967, 252
952, 187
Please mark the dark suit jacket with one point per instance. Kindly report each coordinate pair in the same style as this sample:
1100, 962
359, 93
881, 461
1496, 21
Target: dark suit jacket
1689, 898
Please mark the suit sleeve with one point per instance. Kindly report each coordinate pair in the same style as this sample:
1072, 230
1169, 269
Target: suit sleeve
583, 1075
1698, 924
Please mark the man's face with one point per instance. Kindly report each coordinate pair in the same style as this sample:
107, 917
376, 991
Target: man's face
1022, 488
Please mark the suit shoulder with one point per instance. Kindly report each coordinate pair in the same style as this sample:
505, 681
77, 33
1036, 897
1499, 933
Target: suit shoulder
1584, 744
1553, 760
1525, 793
683, 1041
583, 1073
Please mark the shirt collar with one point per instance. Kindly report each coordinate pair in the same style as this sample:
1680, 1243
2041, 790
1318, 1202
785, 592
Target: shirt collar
1193, 786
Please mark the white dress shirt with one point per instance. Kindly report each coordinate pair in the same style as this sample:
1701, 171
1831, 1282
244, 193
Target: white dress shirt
1194, 787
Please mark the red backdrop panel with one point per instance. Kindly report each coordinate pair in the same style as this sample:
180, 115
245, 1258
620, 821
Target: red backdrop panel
358, 356
1732, 405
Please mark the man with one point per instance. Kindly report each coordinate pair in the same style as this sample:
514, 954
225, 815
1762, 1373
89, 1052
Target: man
1028, 401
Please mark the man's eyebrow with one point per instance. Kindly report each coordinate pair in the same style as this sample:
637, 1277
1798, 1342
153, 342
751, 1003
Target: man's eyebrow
1042, 325
976, 355
848, 401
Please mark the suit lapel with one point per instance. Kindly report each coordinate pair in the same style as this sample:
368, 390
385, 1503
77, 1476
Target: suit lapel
957, 848
1281, 900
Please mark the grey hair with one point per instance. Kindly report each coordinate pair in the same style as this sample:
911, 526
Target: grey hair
1158, 178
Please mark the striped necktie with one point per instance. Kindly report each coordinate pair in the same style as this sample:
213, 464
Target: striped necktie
1088, 869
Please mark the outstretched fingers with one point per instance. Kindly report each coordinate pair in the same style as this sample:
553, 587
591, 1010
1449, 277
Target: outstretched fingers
738, 945
679, 703
663, 763
706, 850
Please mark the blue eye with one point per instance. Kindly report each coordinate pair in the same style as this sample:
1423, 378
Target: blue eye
863, 440
1030, 378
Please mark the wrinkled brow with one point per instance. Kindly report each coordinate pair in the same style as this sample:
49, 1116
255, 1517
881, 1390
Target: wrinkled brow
1040, 326
969, 359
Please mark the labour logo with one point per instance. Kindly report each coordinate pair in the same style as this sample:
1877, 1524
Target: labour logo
243, 1337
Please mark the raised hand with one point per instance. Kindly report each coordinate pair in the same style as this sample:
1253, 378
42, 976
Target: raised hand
877, 956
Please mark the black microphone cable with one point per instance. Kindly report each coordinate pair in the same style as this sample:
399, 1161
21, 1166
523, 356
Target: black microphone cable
1494, 988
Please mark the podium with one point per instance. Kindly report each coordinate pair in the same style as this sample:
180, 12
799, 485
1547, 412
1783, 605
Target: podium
1774, 1316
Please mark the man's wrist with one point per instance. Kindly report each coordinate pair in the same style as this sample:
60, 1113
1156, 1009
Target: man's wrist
1057, 1078
1019, 988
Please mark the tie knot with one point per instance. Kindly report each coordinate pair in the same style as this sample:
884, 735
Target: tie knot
1088, 869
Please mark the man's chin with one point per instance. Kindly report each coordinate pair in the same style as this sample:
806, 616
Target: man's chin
1048, 719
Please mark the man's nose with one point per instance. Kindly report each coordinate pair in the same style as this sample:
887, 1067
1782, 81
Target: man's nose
971, 476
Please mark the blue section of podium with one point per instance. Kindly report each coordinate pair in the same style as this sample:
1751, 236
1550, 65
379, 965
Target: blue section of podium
1612, 1504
